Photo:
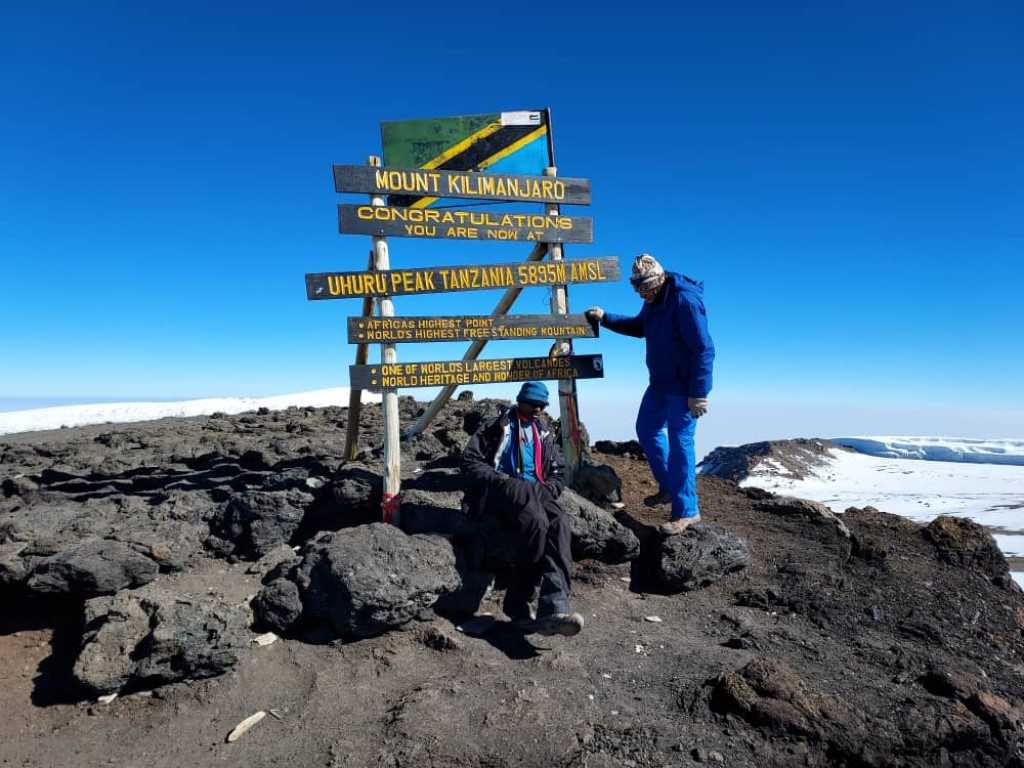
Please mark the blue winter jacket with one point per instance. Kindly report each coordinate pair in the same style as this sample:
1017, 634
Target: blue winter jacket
680, 352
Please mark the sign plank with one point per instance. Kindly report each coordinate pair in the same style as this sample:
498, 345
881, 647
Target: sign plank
362, 330
400, 282
461, 184
454, 372
448, 224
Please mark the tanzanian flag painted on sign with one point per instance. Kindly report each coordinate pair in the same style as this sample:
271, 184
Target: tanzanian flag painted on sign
503, 142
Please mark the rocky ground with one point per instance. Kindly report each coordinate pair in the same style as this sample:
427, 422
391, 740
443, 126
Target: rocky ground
145, 560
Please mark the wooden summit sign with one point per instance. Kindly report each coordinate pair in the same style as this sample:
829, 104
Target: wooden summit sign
429, 166
448, 224
460, 184
363, 330
455, 372
399, 282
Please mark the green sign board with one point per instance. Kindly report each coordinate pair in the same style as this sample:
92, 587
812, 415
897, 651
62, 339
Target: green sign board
500, 142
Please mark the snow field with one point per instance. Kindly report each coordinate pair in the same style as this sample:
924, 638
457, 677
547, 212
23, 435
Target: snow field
990, 494
37, 419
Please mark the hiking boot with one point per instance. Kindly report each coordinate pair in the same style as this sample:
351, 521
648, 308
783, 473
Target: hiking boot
567, 624
523, 621
678, 525
658, 499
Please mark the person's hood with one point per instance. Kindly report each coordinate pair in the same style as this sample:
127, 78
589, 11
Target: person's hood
686, 284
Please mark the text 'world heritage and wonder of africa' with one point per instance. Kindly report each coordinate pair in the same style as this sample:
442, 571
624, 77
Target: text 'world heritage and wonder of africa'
456, 372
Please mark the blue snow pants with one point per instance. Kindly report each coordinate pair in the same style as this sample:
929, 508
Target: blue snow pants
665, 427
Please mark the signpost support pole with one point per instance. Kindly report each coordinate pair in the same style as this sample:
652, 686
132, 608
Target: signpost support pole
355, 396
388, 356
502, 308
567, 407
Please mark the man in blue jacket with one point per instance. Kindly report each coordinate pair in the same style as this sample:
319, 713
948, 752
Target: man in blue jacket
679, 358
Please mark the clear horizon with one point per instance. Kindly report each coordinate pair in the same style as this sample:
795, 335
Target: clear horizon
729, 424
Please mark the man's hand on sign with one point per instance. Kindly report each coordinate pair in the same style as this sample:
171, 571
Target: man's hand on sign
594, 315
698, 406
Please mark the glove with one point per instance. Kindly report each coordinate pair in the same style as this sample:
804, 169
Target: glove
698, 406
595, 315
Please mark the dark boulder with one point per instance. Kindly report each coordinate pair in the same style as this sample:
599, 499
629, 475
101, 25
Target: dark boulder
629, 448
278, 606
438, 512
363, 581
596, 534
599, 483
96, 567
700, 556
353, 497
255, 522
964, 543
155, 636
814, 511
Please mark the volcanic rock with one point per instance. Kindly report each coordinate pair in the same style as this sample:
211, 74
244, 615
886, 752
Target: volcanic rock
962, 542
599, 483
363, 581
629, 448
353, 497
793, 459
596, 534
154, 636
811, 510
700, 556
253, 523
278, 606
96, 567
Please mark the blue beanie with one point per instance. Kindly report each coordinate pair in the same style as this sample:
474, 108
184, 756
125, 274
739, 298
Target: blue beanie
533, 392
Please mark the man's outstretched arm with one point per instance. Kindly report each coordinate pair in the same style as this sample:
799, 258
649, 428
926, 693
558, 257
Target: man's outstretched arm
627, 326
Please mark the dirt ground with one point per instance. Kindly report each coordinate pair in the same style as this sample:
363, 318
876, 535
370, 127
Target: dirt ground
853, 635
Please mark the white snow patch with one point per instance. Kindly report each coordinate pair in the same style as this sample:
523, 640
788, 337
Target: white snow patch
939, 449
36, 419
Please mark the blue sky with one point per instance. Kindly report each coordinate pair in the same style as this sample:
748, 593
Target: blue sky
845, 178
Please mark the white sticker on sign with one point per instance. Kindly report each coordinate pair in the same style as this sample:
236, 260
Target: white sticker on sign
521, 118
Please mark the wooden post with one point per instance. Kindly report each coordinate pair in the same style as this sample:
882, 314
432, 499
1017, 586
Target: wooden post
388, 355
355, 396
567, 412
502, 307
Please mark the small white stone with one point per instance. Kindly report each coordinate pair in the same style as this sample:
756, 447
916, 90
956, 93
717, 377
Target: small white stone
606, 676
639, 648
265, 639
615, 711
653, 619
245, 725
106, 699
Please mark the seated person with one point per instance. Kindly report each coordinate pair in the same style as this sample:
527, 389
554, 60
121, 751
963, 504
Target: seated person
513, 468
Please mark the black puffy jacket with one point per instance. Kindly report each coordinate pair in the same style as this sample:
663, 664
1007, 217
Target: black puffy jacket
480, 463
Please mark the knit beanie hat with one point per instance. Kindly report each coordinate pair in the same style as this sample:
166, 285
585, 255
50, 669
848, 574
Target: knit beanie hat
648, 275
533, 392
